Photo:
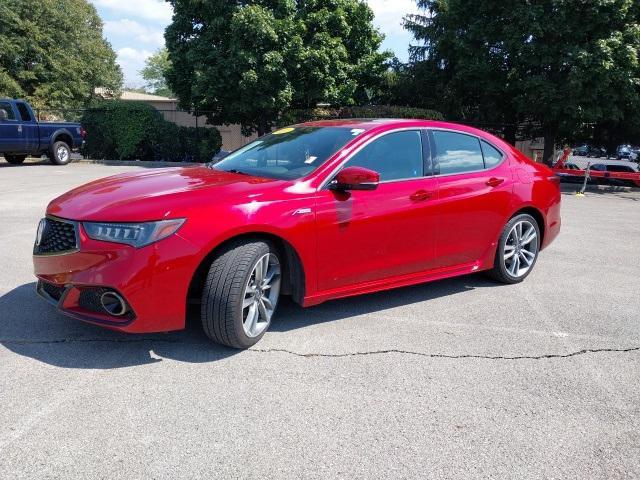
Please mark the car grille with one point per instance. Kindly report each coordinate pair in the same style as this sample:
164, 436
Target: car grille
57, 237
54, 291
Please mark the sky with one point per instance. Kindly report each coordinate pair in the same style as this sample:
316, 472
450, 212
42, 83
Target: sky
135, 29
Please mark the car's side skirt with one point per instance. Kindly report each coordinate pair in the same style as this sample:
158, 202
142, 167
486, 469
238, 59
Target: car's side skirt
395, 282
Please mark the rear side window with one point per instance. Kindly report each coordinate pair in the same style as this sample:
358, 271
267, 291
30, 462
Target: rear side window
457, 152
620, 168
394, 156
24, 112
6, 106
492, 156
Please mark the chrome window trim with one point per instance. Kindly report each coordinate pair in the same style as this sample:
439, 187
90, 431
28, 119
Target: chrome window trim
480, 140
334, 172
76, 229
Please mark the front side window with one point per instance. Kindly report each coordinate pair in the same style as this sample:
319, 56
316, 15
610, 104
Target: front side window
288, 153
6, 106
457, 152
394, 156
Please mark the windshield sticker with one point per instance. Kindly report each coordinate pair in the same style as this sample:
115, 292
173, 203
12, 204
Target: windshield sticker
284, 130
356, 131
310, 160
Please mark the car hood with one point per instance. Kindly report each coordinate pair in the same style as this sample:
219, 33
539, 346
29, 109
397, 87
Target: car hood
156, 194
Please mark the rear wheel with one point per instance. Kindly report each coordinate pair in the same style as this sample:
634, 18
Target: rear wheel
517, 251
60, 153
241, 293
15, 159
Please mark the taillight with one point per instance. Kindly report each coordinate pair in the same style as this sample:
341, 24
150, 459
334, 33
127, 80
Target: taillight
83, 132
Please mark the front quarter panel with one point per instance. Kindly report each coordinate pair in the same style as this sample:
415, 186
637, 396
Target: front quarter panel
288, 214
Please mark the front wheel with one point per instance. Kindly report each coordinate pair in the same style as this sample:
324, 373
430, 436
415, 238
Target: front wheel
60, 153
15, 159
241, 293
517, 251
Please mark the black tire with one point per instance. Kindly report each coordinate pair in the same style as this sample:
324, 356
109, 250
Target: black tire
15, 159
499, 271
56, 154
223, 293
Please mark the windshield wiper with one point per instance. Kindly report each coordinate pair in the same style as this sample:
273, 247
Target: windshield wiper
239, 172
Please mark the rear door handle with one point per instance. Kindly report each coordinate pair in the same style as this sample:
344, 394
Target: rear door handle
494, 182
420, 196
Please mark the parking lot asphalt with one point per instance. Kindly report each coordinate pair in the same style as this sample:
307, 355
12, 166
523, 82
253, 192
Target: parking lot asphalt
460, 378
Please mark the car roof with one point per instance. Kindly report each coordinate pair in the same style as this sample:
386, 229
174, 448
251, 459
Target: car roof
363, 123
372, 123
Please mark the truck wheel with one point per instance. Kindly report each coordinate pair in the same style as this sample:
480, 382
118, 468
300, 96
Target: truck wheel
15, 159
60, 153
241, 293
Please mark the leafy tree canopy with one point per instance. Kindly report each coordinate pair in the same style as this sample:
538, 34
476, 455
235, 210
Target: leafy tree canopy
558, 62
52, 53
155, 73
248, 61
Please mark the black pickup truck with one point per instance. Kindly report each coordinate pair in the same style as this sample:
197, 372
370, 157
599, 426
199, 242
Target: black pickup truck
22, 135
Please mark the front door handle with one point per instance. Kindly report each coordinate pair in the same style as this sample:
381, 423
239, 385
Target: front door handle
420, 196
494, 182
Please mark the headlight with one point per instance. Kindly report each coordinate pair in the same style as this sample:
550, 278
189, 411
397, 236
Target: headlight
134, 234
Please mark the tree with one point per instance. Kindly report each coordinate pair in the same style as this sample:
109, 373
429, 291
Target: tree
246, 62
52, 53
340, 62
155, 73
556, 62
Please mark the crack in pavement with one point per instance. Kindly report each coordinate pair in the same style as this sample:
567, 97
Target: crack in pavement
442, 355
584, 351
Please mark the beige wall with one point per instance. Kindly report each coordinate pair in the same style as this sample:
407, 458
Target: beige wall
532, 148
232, 137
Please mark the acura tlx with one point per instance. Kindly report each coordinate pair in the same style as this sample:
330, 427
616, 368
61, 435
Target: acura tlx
317, 211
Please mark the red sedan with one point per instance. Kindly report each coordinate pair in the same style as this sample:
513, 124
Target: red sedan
317, 211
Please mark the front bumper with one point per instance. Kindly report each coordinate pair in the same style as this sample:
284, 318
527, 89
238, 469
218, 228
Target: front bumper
153, 281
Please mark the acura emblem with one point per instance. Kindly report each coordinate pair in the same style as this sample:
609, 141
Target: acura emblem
40, 232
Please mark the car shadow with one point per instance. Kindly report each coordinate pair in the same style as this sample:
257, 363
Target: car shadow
291, 316
32, 328
27, 163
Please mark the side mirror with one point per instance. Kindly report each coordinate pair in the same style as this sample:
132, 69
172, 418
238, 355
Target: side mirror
355, 178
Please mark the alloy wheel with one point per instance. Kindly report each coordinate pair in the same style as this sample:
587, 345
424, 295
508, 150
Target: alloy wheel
520, 249
261, 295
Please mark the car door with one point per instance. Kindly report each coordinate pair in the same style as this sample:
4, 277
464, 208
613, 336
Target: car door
367, 236
475, 186
10, 130
30, 138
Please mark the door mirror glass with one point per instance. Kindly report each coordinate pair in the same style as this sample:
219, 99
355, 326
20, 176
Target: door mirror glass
355, 178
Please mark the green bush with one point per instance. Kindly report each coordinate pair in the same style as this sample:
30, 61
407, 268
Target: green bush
373, 111
123, 130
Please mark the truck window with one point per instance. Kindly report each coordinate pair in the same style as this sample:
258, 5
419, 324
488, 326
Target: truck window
24, 112
6, 106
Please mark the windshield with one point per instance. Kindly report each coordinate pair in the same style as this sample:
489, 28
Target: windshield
288, 153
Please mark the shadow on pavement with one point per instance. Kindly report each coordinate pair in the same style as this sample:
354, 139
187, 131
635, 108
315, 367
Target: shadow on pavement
31, 327
28, 163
